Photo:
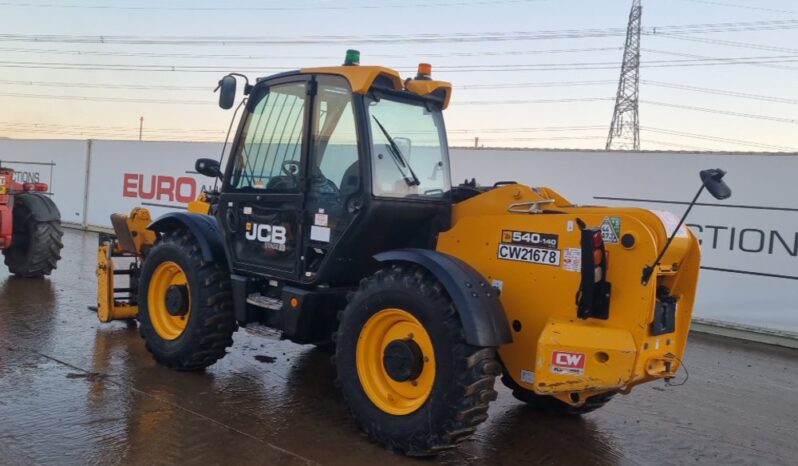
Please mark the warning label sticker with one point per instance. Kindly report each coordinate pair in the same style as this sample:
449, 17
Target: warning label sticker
527, 376
611, 229
568, 363
671, 221
572, 259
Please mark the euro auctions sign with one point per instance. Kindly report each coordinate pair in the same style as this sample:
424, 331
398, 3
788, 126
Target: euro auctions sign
160, 188
156, 175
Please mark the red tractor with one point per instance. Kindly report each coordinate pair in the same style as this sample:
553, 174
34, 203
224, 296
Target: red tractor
30, 227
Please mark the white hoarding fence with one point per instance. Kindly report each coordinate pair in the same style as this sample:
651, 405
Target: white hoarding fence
750, 242
158, 175
59, 163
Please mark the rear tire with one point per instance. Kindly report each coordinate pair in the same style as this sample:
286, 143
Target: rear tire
36, 248
458, 377
552, 404
203, 335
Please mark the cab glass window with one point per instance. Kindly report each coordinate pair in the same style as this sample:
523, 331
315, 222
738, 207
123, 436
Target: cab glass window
334, 163
269, 157
409, 148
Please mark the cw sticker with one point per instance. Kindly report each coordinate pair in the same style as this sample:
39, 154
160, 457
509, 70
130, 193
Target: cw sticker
568, 363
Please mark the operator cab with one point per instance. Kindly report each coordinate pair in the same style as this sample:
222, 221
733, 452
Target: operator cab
331, 166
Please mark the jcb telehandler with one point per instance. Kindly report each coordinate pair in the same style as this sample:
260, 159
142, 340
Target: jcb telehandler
335, 221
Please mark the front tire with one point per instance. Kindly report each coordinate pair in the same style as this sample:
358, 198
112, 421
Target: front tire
411, 381
37, 245
185, 304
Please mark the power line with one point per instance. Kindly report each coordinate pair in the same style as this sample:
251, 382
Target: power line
731, 43
464, 103
608, 65
533, 101
747, 7
673, 144
690, 55
525, 130
464, 37
228, 56
706, 90
267, 8
553, 138
718, 139
38, 125
156, 87
722, 112
105, 99
96, 85
534, 84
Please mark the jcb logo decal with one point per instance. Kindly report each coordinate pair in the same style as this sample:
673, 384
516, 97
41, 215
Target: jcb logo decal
568, 363
270, 234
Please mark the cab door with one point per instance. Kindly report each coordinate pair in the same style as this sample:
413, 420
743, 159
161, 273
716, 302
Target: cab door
262, 199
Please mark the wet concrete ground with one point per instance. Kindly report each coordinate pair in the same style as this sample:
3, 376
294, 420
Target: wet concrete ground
73, 391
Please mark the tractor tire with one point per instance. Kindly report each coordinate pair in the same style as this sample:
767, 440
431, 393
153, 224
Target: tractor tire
411, 381
185, 304
554, 405
37, 245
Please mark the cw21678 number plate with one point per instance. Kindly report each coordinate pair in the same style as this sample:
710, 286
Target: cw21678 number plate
526, 254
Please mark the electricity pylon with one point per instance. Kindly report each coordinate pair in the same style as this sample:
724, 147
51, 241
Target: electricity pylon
625, 126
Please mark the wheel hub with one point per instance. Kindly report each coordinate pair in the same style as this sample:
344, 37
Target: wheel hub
176, 300
403, 360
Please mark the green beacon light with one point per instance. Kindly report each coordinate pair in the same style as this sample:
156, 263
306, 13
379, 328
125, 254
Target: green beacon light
352, 57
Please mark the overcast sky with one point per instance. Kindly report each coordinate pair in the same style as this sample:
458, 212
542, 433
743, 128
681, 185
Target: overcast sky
534, 73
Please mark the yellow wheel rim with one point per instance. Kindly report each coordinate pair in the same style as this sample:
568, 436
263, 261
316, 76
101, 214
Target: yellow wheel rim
390, 395
167, 326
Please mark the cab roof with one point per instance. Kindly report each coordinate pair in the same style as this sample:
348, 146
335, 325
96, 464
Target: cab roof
363, 78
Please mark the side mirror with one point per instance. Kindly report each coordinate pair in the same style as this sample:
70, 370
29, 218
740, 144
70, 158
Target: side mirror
208, 167
227, 92
713, 181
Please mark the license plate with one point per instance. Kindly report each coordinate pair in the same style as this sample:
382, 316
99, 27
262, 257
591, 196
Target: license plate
526, 254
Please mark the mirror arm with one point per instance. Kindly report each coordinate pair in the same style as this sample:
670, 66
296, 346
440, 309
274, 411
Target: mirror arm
648, 270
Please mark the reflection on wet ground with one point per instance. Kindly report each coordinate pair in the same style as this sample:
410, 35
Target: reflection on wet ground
73, 391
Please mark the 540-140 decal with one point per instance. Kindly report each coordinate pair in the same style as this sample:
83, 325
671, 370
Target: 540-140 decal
527, 246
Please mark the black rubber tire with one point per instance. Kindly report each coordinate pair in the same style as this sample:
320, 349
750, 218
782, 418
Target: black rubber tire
552, 404
465, 374
39, 251
211, 323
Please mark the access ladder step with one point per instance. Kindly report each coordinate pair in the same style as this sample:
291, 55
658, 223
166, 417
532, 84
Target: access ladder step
257, 299
261, 330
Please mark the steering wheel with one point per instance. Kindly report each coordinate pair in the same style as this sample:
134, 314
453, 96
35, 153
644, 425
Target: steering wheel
291, 167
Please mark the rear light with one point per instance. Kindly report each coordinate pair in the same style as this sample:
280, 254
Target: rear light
598, 257
598, 240
593, 297
38, 187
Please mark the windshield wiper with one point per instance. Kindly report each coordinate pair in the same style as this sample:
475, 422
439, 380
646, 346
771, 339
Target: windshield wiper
398, 158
